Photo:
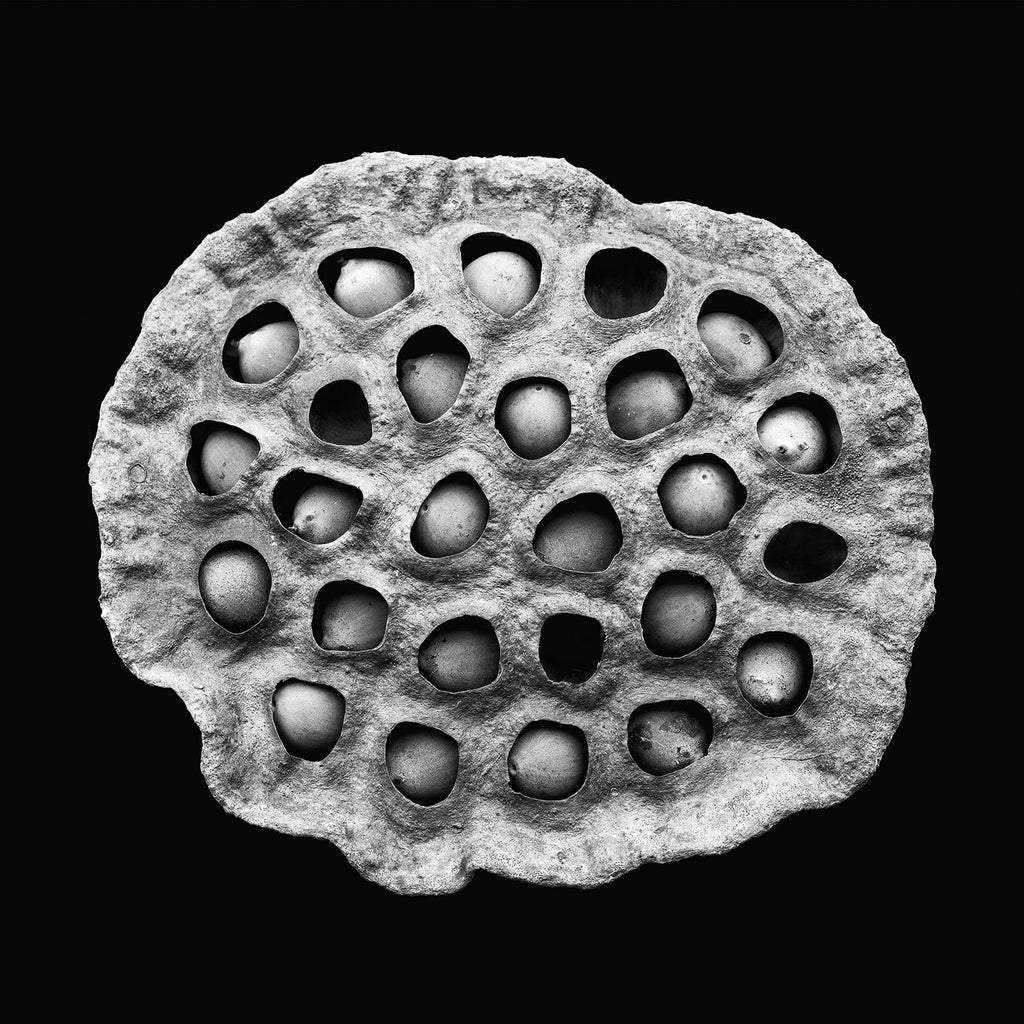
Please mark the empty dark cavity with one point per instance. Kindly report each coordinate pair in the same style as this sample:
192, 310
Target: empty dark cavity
644, 393
624, 282
299, 485
339, 414
669, 735
330, 268
570, 647
431, 368
237, 447
423, 763
461, 654
308, 718
822, 410
492, 241
581, 534
804, 552
268, 313
349, 617
754, 312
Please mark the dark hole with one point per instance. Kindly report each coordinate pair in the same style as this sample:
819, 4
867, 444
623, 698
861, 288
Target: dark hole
492, 241
199, 435
766, 322
297, 483
431, 368
824, 413
571, 647
330, 268
804, 552
268, 313
624, 282
339, 414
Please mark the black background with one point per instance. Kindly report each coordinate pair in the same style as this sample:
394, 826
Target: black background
850, 125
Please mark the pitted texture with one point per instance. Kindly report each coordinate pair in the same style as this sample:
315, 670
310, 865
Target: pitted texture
860, 622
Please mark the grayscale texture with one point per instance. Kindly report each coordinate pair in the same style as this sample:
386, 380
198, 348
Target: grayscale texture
860, 622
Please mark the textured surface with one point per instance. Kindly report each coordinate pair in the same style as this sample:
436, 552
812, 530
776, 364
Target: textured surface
860, 622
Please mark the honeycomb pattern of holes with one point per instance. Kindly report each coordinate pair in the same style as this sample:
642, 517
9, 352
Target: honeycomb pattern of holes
548, 761
367, 282
645, 393
700, 494
431, 368
774, 672
801, 432
580, 534
423, 763
534, 416
261, 344
339, 414
620, 283
452, 517
678, 614
234, 583
316, 508
571, 647
803, 552
308, 718
669, 735
724, 319
461, 654
348, 616
218, 456
501, 272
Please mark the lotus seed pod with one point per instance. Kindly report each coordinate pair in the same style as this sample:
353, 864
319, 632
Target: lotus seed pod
774, 672
351, 618
461, 655
700, 495
734, 344
665, 737
581, 535
580, 569
504, 281
369, 285
423, 763
451, 519
234, 582
645, 401
794, 437
548, 761
308, 718
678, 614
534, 417
264, 353
227, 453
431, 382
324, 511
